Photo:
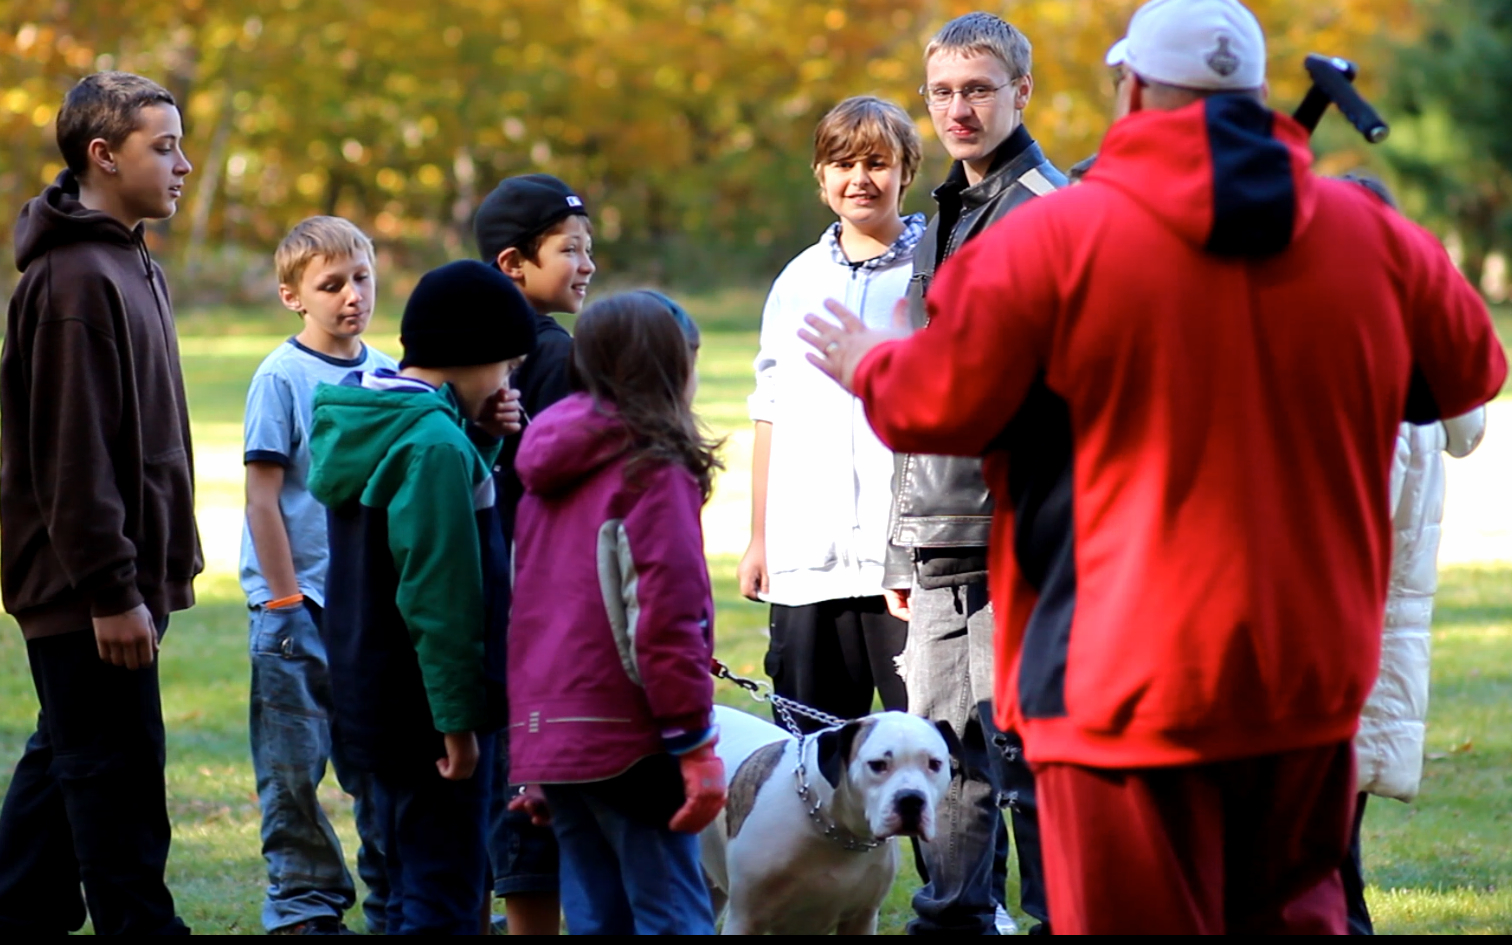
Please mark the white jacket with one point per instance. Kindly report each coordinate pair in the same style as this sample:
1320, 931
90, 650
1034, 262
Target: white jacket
829, 480
1389, 746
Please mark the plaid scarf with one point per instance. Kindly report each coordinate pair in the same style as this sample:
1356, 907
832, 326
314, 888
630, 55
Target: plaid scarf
902, 247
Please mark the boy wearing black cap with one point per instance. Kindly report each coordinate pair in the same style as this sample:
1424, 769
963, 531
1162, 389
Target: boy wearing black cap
535, 230
413, 621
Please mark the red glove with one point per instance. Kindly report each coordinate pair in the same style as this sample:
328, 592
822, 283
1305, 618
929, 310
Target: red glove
704, 785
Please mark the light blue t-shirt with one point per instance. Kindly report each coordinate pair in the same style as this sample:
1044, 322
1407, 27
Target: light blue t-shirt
280, 403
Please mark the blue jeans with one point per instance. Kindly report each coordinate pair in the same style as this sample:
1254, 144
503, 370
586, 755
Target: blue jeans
524, 856
624, 872
291, 743
435, 834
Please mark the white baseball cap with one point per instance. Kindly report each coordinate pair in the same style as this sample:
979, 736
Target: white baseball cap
1212, 45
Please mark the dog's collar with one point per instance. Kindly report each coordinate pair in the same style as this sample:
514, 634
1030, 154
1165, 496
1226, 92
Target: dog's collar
845, 838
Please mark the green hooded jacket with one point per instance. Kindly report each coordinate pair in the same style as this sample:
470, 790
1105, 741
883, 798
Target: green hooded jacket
405, 618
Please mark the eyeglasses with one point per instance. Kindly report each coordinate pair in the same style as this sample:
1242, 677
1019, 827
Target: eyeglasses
938, 97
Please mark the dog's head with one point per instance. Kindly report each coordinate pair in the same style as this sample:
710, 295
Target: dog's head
893, 765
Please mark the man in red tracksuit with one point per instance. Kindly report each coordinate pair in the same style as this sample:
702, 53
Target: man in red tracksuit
1187, 387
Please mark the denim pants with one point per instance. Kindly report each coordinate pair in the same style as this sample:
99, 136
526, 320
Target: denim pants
523, 855
292, 741
947, 666
87, 804
435, 835
624, 872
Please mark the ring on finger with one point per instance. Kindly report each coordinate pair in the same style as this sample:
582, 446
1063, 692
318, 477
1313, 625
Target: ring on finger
832, 347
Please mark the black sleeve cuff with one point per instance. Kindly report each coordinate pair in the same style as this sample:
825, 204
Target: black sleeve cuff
113, 600
266, 456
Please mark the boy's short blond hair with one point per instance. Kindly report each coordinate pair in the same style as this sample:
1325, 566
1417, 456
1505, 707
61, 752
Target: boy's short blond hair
864, 125
978, 34
331, 237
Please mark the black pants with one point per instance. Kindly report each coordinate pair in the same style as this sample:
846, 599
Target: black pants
1353, 875
1013, 776
835, 654
87, 803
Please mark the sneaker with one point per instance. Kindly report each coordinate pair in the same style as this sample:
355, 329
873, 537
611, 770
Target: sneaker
325, 925
1004, 922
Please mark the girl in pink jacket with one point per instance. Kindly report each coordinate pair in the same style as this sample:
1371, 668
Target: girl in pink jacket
611, 635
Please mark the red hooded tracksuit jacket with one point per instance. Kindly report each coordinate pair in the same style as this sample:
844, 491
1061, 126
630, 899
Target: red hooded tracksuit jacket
1186, 375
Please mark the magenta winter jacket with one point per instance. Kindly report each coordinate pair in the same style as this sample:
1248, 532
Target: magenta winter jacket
612, 629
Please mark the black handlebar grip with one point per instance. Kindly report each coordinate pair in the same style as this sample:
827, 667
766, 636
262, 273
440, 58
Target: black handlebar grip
1310, 112
1332, 79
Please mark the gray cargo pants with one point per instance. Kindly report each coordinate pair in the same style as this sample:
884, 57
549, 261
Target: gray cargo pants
947, 669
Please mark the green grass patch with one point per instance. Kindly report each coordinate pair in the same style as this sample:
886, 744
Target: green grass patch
1442, 864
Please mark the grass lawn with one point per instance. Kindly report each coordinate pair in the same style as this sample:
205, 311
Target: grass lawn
1443, 864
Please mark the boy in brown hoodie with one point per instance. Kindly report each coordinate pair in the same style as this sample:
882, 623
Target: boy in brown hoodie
97, 516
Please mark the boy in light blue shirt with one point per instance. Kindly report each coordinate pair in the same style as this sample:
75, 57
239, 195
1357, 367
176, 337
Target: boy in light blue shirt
326, 274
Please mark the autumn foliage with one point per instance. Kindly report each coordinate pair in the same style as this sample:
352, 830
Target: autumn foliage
685, 123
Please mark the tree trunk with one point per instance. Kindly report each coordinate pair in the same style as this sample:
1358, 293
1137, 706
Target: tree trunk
204, 194
1478, 233
334, 184
465, 173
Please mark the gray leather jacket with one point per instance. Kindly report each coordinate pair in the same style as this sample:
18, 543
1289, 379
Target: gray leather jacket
942, 511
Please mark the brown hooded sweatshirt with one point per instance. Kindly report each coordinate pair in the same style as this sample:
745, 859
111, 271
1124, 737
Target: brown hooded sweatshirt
96, 468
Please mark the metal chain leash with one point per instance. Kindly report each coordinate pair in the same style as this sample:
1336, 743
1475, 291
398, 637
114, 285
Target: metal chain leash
785, 707
762, 692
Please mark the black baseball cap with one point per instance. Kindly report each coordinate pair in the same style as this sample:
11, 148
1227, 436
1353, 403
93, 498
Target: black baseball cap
519, 208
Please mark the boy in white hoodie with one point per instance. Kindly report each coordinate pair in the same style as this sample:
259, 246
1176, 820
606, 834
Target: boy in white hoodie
821, 481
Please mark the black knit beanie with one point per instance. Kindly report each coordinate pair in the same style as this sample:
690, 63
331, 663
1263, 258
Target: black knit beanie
465, 313
519, 208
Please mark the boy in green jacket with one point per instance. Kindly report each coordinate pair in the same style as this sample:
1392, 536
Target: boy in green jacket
402, 462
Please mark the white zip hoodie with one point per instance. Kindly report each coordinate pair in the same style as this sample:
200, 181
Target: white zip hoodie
829, 482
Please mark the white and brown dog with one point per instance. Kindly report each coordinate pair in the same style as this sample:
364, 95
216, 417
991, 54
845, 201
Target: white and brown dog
806, 843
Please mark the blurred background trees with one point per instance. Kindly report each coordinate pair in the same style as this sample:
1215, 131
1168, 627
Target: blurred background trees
1451, 95
686, 124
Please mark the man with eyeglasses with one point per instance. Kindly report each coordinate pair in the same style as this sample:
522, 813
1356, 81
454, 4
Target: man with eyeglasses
977, 84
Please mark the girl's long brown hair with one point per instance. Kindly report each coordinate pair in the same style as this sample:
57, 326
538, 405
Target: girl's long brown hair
629, 351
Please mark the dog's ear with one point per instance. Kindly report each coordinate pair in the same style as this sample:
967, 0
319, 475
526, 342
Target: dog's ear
835, 747
953, 745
